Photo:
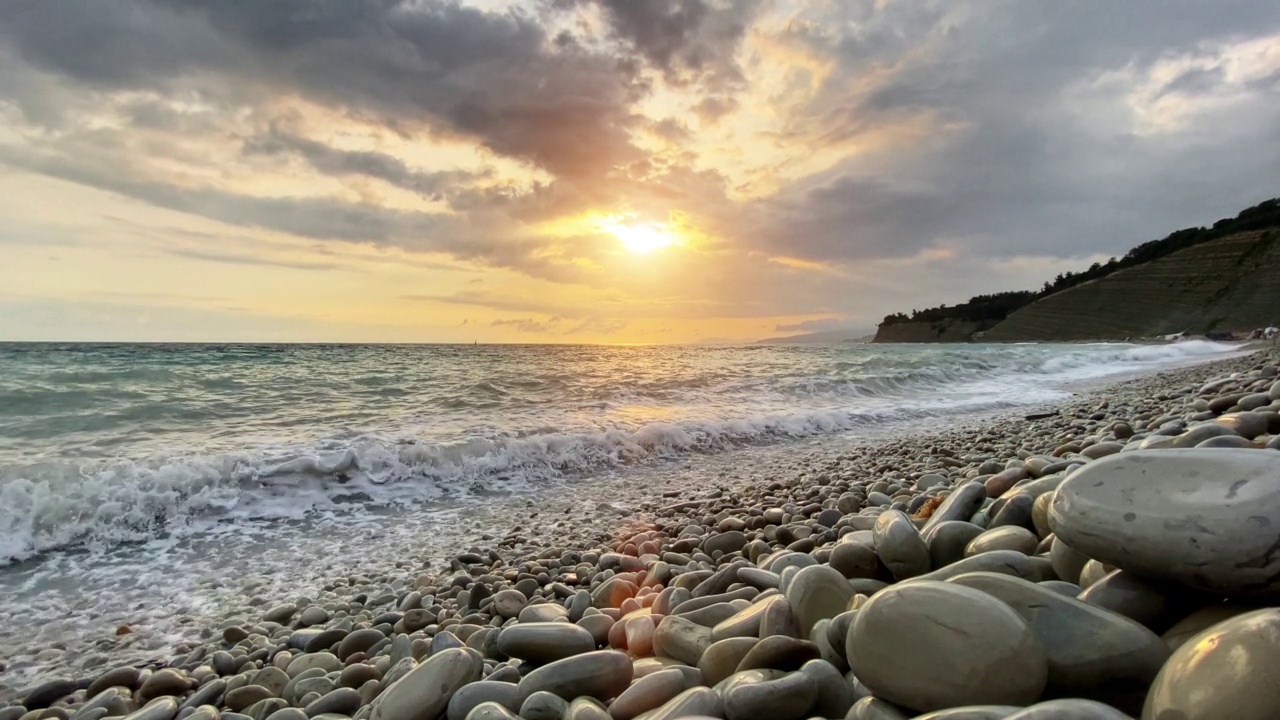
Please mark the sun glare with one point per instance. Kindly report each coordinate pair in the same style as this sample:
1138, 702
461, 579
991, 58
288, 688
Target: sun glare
642, 239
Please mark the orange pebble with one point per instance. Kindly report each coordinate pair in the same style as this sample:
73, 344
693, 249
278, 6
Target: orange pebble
639, 632
618, 636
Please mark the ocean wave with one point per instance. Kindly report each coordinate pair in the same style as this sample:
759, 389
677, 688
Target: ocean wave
49, 503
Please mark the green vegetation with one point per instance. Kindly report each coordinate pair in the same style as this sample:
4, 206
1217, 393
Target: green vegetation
997, 306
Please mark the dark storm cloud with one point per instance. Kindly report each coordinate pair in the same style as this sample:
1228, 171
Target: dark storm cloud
685, 39
1018, 162
494, 77
334, 161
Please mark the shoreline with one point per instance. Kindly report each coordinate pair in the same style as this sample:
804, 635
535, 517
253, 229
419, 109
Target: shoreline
651, 509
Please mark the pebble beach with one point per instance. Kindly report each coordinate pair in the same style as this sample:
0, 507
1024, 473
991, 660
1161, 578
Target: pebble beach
1110, 556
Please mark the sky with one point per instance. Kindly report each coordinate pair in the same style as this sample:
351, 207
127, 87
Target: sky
600, 171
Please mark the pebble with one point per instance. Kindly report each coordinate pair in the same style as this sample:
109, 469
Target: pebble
681, 639
767, 695
541, 643
468, 697
899, 546
1231, 670
817, 592
425, 691
602, 674
46, 693
1207, 519
648, 693
929, 646
1092, 653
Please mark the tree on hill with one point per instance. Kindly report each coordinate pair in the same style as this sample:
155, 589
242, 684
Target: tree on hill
995, 307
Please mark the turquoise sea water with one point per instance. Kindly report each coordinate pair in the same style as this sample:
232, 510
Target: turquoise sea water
163, 486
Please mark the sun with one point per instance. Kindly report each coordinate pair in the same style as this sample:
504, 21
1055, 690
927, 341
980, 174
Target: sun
642, 238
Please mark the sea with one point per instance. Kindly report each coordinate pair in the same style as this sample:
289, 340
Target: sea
152, 487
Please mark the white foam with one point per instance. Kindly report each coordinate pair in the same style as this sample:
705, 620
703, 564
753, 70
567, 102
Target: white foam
50, 505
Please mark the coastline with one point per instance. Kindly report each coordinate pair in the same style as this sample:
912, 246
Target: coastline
605, 517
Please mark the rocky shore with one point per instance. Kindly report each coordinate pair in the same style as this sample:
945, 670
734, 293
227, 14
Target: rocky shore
1117, 556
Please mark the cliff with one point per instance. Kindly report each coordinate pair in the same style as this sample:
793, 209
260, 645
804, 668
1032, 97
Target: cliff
1231, 283
929, 331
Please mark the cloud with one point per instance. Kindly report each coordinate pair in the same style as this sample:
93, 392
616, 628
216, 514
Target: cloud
838, 159
688, 40
334, 161
526, 325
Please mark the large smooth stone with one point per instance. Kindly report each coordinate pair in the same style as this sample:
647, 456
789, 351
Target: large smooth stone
929, 645
1201, 620
541, 643
1092, 653
746, 622
899, 545
602, 674
424, 693
816, 593
1208, 519
1231, 670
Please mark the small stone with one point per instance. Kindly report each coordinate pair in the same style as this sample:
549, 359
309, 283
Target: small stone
164, 682
340, 701
543, 705
492, 711
44, 694
971, 712
899, 545
779, 652
468, 697
328, 662
817, 592
118, 677
541, 643
1008, 537
721, 658
648, 693
242, 697
758, 694
835, 696
358, 642
509, 603
698, 702
681, 639
280, 613
424, 693
1068, 709
947, 541
602, 674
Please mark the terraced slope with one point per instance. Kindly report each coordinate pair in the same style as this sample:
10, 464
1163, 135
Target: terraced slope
1231, 283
